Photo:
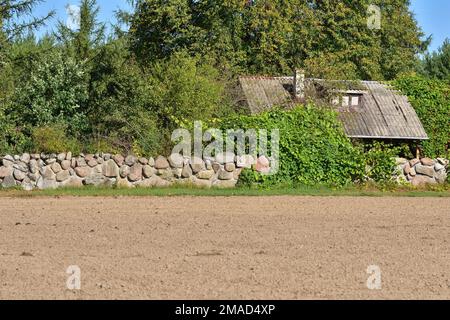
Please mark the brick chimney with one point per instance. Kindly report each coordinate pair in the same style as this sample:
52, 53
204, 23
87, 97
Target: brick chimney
299, 84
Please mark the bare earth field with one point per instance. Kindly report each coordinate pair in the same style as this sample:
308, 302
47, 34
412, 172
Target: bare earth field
225, 247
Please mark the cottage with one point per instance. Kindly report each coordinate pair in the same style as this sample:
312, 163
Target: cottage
367, 109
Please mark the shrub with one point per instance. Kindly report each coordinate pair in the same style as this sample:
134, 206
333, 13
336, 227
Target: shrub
53, 139
380, 161
431, 100
313, 147
185, 89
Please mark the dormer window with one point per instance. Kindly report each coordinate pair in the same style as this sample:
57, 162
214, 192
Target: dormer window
350, 100
355, 101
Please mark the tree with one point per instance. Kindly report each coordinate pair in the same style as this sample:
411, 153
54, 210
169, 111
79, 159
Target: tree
13, 25
89, 36
328, 38
52, 91
437, 64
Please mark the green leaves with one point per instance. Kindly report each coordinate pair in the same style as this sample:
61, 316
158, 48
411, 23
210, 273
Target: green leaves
431, 100
330, 39
313, 147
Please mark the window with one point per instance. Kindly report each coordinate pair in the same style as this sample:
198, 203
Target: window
352, 100
355, 101
345, 101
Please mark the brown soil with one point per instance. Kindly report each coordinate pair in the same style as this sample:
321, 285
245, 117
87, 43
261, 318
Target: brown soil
225, 248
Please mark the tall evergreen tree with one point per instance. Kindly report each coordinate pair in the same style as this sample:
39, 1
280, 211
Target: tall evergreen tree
437, 64
90, 34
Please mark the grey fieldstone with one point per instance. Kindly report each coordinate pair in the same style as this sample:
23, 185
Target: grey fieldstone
27, 185
143, 161
33, 166
61, 157
124, 171
44, 184
21, 166
176, 160
165, 174
73, 182
89, 157
50, 161
6, 171
230, 167
197, 165
25, 158
225, 175
187, 172
441, 176
427, 161
177, 172
225, 157
63, 175
135, 172
206, 174
148, 171
413, 162
92, 163
425, 170
69, 156
81, 162
422, 180
33, 176
130, 160
96, 180
439, 166
56, 167
110, 169
19, 175
161, 163
65, 164
119, 159
47, 173
245, 161
151, 162
216, 167
9, 182
83, 172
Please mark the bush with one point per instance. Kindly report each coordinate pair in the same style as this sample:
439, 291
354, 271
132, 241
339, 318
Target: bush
314, 149
53, 139
431, 100
380, 162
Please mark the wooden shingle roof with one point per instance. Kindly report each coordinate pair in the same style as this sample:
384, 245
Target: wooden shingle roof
383, 113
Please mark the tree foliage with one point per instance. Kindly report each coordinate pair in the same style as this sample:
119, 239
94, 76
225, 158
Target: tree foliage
327, 38
431, 100
437, 64
313, 148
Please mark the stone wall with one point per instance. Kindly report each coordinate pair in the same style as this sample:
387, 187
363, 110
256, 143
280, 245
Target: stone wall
423, 171
43, 171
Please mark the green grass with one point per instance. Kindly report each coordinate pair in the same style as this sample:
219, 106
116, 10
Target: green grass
191, 191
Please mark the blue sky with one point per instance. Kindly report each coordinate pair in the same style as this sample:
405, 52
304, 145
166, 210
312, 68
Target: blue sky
433, 15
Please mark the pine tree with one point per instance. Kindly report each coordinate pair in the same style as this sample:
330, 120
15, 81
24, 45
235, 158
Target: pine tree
437, 64
89, 36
